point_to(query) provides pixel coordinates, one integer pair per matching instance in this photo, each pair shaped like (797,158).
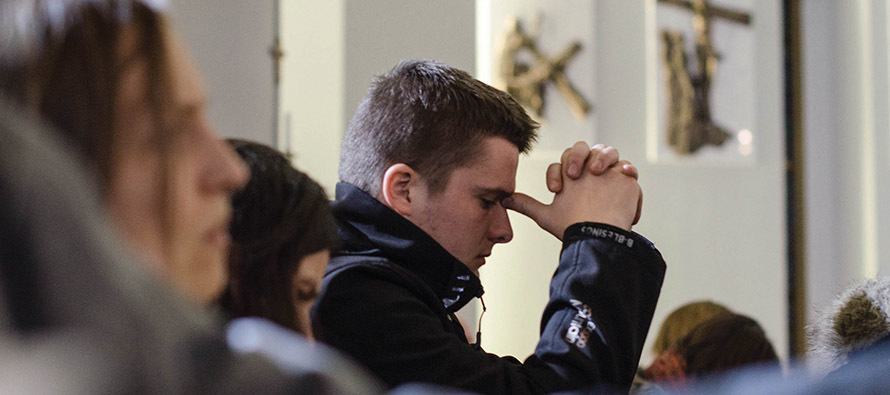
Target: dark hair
(66,65)
(725,342)
(431,117)
(280,217)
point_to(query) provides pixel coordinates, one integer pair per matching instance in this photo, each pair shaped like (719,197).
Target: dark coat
(390,292)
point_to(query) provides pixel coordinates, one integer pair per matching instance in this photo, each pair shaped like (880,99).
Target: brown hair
(726,341)
(682,320)
(66,66)
(280,217)
(431,117)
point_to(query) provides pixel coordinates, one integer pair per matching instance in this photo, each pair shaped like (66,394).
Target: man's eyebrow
(497,193)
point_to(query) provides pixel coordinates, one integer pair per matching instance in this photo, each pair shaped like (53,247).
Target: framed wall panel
(706,71)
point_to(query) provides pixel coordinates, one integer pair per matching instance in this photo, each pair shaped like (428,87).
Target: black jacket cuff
(614,234)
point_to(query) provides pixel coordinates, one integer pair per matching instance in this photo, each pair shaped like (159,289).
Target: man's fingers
(573,159)
(639,208)
(602,157)
(629,170)
(554,177)
(525,205)
(537,211)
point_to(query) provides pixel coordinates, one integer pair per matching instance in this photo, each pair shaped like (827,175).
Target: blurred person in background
(282,233)
(848,351)
(680,321)
(676,325)
(719,345)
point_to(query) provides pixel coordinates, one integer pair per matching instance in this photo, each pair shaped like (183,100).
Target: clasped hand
(590,184)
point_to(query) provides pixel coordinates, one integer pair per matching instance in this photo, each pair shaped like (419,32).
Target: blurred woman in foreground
(113,79)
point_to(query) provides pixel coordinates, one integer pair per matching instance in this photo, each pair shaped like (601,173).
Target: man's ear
(398,180)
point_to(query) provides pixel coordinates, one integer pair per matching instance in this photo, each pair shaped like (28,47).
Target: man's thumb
(525,205)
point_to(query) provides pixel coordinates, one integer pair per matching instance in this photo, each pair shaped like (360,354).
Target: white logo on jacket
(581,326)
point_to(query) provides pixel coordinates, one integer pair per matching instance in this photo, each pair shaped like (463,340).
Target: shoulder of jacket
(359,270)
(365,263)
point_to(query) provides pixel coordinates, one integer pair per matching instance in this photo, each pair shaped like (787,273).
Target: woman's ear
(398,180)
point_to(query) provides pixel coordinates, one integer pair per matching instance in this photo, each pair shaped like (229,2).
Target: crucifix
(527,82)
(690,125)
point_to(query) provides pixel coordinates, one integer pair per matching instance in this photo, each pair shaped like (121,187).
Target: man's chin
(475,265)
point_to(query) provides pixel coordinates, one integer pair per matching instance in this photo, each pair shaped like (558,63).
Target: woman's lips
(219,236)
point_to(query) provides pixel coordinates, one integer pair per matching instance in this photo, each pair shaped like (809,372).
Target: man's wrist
(615,221)
(614,234)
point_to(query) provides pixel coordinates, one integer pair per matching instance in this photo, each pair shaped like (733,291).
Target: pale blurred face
(307,286)
(467,218)
(179,224)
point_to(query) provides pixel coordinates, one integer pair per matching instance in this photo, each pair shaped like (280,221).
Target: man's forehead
(493,172)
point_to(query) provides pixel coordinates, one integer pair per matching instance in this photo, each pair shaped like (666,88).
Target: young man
(428,169)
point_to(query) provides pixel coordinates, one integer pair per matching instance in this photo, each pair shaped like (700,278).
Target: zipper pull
(478,344)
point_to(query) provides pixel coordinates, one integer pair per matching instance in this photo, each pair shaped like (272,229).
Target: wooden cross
(527,82)
(690,125)
(713,12)
(277,54)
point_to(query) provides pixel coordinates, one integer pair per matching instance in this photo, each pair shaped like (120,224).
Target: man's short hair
(429,116)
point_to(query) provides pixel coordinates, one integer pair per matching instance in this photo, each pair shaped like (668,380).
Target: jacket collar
(368,227)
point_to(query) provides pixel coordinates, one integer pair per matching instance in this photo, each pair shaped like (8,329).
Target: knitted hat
(855,320)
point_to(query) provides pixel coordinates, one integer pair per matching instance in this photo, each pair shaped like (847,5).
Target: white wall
(381,33)
(824,276)
(847,144)
(229,41)
(311,111)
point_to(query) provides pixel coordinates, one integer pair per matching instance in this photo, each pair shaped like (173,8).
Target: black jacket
(390,292)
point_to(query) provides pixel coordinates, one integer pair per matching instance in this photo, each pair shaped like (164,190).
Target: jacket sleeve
(399,337)
(602,299)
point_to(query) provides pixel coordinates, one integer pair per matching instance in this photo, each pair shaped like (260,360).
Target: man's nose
(500,230)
